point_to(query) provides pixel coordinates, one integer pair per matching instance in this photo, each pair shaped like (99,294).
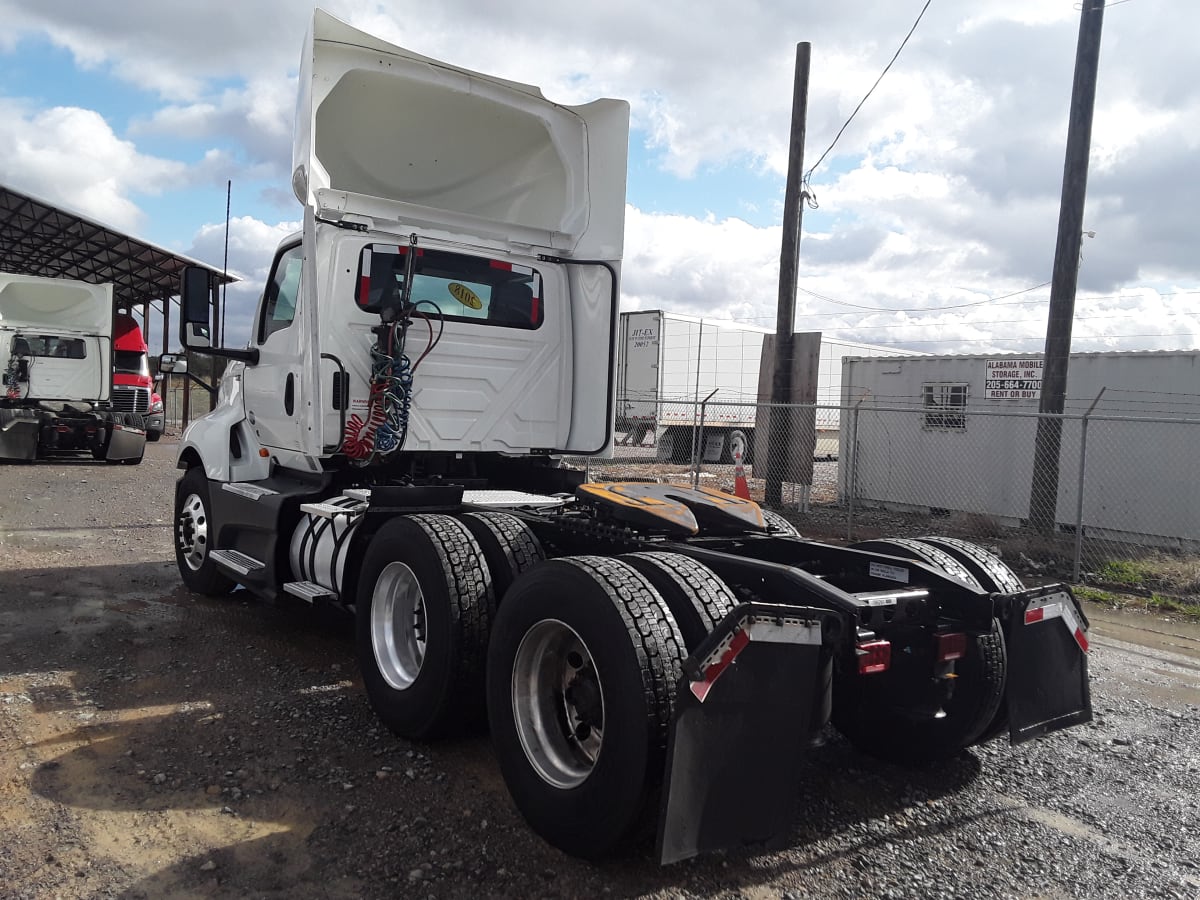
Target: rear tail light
(63,429)
(874,657)
(951,646)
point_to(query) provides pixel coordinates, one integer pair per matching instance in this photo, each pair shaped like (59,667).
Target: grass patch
(1125,571)
(1153,603)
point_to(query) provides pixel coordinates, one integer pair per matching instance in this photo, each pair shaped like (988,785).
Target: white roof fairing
(387,134)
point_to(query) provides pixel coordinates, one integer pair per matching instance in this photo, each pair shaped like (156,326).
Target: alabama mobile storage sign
(1013,379)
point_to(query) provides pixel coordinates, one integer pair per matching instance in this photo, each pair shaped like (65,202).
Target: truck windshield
(130,362)
(462,288)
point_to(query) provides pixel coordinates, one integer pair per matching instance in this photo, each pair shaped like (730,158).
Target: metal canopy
(38,238)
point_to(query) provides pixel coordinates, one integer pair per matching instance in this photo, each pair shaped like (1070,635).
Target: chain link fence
(1127,487)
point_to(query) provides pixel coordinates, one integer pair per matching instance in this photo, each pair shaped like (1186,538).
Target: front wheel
(194,534)
(582,671)
(424,606)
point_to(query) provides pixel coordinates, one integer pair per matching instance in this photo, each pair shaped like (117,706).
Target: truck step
(236,561)
(247,490)
(310,591)
(328,510)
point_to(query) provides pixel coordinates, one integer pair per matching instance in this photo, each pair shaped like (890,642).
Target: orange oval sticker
(465,295)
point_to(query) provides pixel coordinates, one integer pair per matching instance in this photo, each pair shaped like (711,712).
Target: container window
(945,406)
(459,287)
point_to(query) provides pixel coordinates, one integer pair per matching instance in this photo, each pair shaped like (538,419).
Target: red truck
(133,388)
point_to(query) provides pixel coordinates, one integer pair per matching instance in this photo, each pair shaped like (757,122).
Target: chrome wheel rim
(558,704)
(192,531)
(398,627)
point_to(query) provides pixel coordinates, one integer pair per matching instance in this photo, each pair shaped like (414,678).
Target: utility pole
(789,263)
(1043,495)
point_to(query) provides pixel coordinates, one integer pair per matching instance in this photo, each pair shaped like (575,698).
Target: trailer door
(637,403)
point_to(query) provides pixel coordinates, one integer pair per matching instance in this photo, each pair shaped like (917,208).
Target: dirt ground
(158,744)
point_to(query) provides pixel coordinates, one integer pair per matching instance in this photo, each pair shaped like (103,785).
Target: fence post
(1079,496)
(852,475)
(698,440)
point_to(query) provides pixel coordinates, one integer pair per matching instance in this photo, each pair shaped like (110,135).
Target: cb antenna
(225,265)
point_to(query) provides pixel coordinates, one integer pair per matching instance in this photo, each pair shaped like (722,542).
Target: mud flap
(126,442)
(753,697)
(1046,636)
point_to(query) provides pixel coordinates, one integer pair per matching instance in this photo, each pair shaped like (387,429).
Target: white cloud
(71,156)
(944,190)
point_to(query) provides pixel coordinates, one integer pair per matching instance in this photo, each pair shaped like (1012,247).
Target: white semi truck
(56,369)
(439,334)
(669,362)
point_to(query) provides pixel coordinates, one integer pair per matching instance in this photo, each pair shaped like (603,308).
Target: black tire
(153,436)
(870,709)
(194,536)
(989,570)
(697,598)
(993,575)
(778,524)
(101,452)
(911,548)
(509,546)
(623,657)
(426,681)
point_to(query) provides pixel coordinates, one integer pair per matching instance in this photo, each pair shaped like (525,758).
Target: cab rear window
(48,345)
(461,287)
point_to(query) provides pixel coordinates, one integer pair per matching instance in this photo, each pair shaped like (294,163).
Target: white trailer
(56,338)
(670,362)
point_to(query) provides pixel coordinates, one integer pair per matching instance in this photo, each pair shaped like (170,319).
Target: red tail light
(874,657)
(951,646)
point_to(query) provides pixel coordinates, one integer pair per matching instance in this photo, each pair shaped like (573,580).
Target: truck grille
(131,399)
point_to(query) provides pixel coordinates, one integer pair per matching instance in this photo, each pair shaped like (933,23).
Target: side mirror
(169,363)
(195,303)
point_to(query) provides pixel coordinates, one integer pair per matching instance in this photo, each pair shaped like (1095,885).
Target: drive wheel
(583,666)
(778,524)
(194,533)
(993,574)
(697,598)
(920,551)
(873,711)
(509,546)
(989,570)
(421,620)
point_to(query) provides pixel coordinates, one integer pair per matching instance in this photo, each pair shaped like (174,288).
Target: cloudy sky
(937,209)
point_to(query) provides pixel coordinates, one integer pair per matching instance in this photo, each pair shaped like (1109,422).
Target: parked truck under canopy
(437,336)
(56,352)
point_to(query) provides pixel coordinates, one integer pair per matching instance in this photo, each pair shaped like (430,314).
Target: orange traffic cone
(740,488)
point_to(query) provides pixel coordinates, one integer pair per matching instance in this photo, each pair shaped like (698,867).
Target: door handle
(289,394)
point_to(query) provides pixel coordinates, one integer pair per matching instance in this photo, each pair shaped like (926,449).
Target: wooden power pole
(789,263)
(1043,495)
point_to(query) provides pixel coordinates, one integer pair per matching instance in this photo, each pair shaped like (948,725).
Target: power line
(846,124)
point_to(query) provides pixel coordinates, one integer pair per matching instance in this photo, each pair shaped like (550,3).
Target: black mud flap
(1046,636)
(753,697)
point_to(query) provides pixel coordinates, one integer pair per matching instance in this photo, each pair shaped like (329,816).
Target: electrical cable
(812,198)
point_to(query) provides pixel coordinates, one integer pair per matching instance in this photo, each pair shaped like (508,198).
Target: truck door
(273,388)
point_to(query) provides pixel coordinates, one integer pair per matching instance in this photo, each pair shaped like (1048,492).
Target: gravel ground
(158,744)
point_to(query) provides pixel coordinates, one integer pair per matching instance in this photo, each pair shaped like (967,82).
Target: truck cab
(439,333)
